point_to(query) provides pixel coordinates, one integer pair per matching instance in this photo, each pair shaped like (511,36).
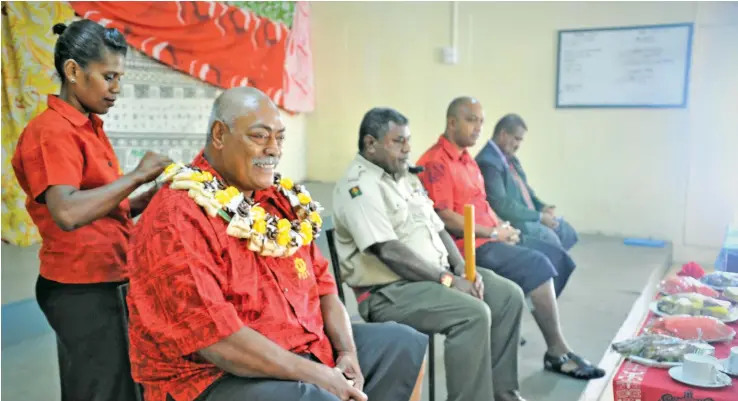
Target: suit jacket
(503,193)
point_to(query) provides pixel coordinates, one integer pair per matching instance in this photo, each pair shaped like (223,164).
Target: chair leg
(431,368)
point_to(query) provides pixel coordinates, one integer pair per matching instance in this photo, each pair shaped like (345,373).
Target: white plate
(724,364)
(652,363)
(723,380)
(732,316)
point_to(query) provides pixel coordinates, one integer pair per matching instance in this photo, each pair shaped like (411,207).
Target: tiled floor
(29,370)
(609,278)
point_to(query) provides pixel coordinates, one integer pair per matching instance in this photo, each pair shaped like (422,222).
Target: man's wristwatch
(495,235)
(446,279)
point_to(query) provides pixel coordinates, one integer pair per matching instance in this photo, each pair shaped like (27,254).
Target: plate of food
(701,328)
(720,280)
(656,350)
(692,304)
(685,284)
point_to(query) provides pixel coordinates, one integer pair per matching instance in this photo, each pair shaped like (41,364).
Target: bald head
(236,102)
(458,103)
(245,138)
(464,121)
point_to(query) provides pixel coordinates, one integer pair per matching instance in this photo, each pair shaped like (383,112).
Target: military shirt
(370,207)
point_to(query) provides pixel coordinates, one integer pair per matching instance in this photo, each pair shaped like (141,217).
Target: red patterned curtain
(223,45)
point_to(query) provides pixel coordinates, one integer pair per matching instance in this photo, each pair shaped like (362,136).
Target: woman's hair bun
(59,28)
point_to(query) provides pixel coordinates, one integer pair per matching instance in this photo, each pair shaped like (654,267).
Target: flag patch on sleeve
(355,191)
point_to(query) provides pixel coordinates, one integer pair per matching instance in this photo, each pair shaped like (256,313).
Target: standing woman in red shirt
(78,199)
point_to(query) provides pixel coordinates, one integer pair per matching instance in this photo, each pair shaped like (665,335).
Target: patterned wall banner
(159,109)
(28,75)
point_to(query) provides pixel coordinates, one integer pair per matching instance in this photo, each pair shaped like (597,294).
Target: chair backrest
(330,238)
(122,295)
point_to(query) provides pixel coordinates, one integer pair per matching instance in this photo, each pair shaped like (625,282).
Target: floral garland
(266,234)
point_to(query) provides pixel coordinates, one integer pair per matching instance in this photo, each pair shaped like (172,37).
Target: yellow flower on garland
(225,196)
(283,238)
(304,199)
(171,168)
(203,176)
(286,183)
(258,213)
(283,225)
(260,227)
(316,219)
(306,230)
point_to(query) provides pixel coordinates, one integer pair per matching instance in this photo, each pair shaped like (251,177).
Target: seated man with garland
(231,300)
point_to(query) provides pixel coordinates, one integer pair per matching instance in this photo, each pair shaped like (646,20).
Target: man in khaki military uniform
(404,267)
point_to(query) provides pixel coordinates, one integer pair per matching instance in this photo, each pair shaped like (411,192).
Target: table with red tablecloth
(635,382)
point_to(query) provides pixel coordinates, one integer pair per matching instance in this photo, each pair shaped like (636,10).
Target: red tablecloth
(634,382)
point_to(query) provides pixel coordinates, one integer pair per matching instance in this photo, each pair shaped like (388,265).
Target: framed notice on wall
(634,67)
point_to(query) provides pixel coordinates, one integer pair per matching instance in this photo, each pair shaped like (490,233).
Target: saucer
(724,364)
(723,380)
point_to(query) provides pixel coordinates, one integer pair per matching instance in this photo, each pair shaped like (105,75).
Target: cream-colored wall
(712,181)
(657,173)
(293,163)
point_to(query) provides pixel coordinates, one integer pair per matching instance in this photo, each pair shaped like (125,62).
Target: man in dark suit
(508,191)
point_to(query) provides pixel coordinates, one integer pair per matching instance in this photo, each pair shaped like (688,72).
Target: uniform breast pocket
(397,212)
(421,207)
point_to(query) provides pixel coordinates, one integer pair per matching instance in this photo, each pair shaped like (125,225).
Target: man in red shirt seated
(230,299)
(452,179)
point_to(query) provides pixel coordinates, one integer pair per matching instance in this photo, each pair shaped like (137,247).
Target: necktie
(523,188)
